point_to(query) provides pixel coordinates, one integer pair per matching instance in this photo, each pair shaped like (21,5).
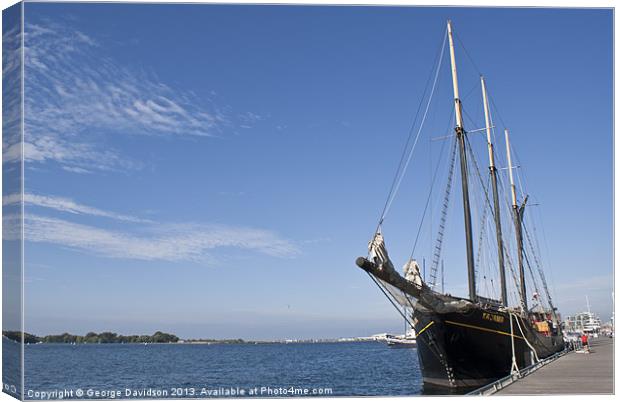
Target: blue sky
(214,171)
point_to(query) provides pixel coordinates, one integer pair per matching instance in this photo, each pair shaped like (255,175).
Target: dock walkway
(574,373)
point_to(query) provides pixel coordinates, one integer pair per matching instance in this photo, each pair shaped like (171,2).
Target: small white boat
(402,342)
(408,340)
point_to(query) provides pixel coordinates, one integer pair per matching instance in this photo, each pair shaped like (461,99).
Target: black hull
(473,348)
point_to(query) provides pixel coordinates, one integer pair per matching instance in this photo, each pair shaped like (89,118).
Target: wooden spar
(517,213)
(425,296)
(388,274)
(461,137)
(497,215)
(455,80)
(513,189)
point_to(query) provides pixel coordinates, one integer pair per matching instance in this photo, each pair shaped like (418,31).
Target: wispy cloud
(11,93)
(143,239)
(67,205)
(77,93)
(183,242)
(250,118)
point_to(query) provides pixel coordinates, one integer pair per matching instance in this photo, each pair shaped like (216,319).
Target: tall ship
(466,342)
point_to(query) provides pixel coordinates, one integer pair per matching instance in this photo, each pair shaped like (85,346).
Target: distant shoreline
(158,338)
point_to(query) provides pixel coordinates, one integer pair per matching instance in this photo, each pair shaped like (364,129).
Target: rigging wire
(400,172)
(539,267)
(481,236)
(529,268)
(508,238)
(490,96)
(522,185)
(549,265)
(443,218)
(535,252)
(428,199)
(486,193)
(471,59)
(479,175)
(477,170)
(480,209)
(385,293)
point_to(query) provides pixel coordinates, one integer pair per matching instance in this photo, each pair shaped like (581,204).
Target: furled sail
(378,254)
(411,286)
(411,270)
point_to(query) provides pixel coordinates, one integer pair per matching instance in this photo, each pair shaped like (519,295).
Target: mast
(460,135)
(517,213)
(493,171)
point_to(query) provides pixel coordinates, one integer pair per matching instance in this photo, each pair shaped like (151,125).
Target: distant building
(378,337)
(607,329)
(585,322)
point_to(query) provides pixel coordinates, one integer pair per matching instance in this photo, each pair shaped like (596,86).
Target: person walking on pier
(584,343)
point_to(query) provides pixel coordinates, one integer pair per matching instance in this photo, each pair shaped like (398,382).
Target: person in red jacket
(584,342)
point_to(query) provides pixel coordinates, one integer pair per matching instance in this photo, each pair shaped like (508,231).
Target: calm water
(346,369)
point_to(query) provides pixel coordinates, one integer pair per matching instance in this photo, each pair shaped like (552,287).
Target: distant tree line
(92,337)
(17,336)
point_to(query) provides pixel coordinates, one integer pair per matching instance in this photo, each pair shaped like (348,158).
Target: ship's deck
(574,373)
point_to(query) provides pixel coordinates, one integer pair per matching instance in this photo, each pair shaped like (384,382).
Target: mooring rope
(514,368)
(525,338)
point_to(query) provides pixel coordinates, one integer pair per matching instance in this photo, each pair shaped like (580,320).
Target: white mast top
(487,120)
(512,182)
(455,81)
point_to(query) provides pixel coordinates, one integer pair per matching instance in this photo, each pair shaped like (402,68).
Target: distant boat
(586,322)
(406,342)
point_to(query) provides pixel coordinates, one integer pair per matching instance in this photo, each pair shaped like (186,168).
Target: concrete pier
(574,373)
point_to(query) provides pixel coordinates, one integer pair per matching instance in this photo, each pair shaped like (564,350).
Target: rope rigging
(539,268)
(525,339)
(514,369)
(513,273)
(535,252)
(488,202)
(485,208)
(405,158)
(430,194)
(529,268)
(477,170)
(391,298)
(443,218)
(482,240)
